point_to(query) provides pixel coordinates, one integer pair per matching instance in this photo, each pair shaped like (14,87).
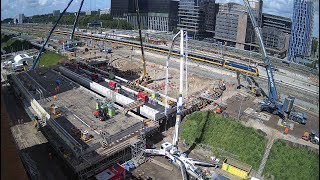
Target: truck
(312,137)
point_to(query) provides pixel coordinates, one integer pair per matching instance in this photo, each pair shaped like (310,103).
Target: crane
(144,78)
(272,103)
(170,150)
(70,44)
(36,61)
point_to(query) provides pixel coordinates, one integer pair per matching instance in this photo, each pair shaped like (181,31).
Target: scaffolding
(137,149)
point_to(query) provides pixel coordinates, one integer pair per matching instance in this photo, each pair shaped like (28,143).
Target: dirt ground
(251,102)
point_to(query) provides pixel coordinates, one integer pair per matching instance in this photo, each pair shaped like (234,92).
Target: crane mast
(75,21)
(141,46)
(35,63)
(273,95)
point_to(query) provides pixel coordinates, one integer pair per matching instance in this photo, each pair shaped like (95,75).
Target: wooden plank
(161,164)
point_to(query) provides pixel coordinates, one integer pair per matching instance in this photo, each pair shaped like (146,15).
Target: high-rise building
(197,17)
(56,13)
(276,32)
(89,13)
(233,24)
(301,30)
(119,8)
(159,15)
(21,18)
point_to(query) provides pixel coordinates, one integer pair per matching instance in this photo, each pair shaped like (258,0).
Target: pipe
(180,97)
(167,73)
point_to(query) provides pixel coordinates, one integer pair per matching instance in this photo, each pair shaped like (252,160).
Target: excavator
(144,78)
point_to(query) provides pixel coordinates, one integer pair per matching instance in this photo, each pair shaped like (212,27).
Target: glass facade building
(159,15)
(301,30)
(197,17)
(119,8)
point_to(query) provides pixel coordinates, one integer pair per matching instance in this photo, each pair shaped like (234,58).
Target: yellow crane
(144,78)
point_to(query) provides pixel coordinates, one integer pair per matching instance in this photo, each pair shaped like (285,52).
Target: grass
(50,58)
(294,163)
(226,136)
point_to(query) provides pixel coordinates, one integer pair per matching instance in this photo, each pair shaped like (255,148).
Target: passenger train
(235,66)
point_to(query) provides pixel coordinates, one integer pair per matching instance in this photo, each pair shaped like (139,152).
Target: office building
(89,13)
(20,18)
(301,30)
(56,13)
(105,11)
(119,9)
(197,17)
(158,15)
(276,32)
(233,25)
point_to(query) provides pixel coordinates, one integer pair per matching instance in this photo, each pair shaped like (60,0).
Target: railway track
(215,66)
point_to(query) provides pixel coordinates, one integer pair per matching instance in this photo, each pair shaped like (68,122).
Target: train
(231,65)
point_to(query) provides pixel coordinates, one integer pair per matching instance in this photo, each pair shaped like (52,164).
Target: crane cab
(166,147)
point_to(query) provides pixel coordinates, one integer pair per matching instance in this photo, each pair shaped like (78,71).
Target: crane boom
(180,98)
(50,33)
(76,20)
(273,95)
(141,46)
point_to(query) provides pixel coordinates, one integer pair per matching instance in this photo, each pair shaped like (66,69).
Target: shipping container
(237,168)
(112,84)
(143,96)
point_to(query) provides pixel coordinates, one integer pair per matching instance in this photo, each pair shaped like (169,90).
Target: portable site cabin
(21,60)
(237,168)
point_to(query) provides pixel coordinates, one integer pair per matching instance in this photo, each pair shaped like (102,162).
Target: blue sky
(11,8)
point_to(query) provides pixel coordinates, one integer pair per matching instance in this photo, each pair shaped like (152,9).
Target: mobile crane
(36,61)
(71,44)
(272,103)
(170,150)
(144,78)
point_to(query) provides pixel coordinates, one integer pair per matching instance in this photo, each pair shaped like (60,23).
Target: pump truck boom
(188,166)
(272,103)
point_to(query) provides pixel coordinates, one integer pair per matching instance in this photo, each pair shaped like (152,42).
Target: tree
(314,45)
(7,20)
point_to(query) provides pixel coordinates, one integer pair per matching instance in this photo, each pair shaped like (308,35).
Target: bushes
(11,44)
(286,162)
(224,135)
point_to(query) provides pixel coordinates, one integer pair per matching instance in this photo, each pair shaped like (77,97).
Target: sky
(11,8)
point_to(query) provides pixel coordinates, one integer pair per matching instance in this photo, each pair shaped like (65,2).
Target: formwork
(118,139)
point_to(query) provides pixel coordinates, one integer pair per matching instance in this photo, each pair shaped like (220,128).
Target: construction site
(112,108)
